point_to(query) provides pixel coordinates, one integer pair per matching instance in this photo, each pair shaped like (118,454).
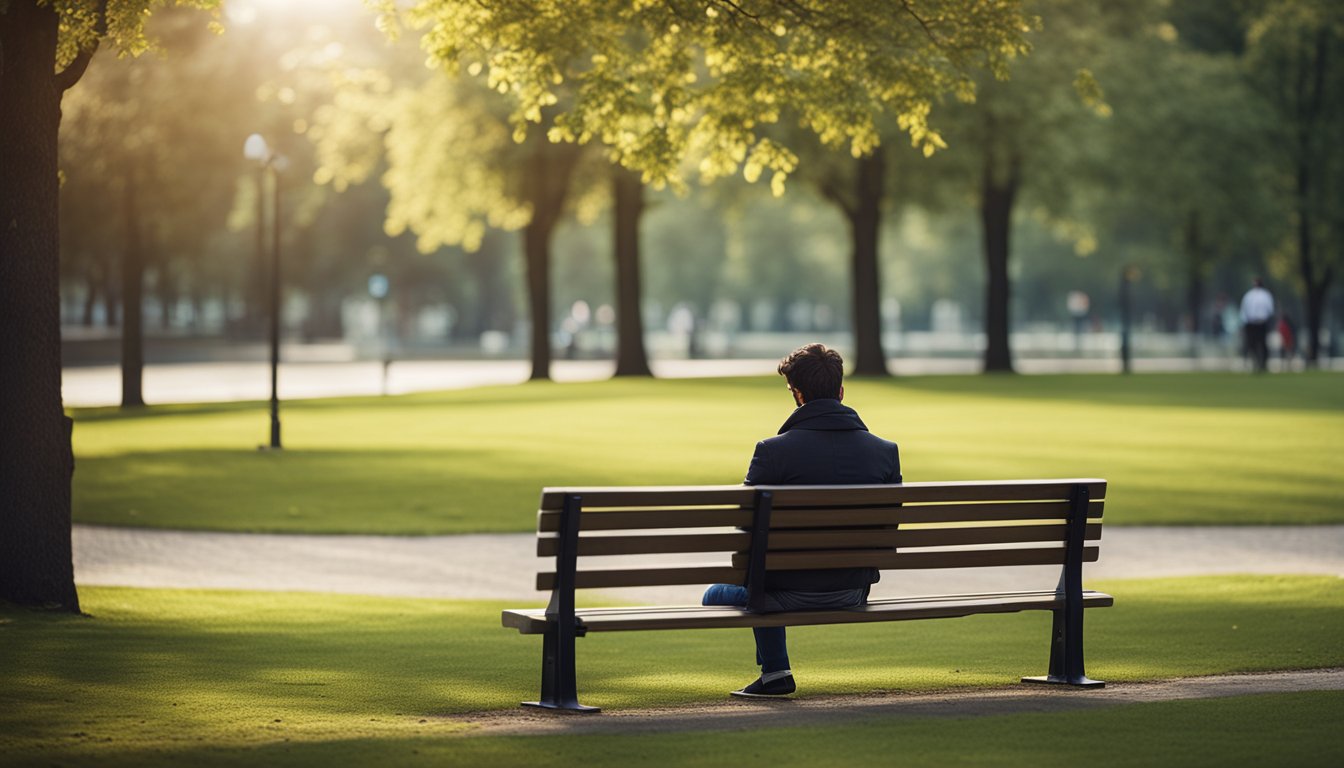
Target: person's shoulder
(878,440)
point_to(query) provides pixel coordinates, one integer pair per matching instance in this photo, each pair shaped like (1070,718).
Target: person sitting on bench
(821,443)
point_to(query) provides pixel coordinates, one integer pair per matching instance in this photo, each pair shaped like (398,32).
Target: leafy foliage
(84,23)
(657,82)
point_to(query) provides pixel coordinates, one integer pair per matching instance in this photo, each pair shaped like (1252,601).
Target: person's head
(814,372)
(1259,282)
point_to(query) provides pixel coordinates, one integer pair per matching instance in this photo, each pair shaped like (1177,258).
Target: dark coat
(824,443)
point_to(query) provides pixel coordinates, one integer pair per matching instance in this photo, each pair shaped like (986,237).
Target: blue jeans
(772,652)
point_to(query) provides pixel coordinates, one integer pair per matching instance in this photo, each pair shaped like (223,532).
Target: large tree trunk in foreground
(865,222)
(997,196)
(631,358)
(35,456)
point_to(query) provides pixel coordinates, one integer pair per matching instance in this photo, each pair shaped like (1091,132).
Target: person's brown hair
(815,370)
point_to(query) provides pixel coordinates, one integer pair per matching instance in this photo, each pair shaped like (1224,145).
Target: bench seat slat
(533,621)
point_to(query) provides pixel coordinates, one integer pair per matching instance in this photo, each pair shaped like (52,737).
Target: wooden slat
(598,578)
(924,513)
(533,621)
(922,537)
(650,544)
(862,538)
(885,559)
(651,496)
(548,521)
(864,495)
(804,495)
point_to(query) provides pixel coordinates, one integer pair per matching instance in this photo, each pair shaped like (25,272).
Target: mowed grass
(176,677)
(1197,449)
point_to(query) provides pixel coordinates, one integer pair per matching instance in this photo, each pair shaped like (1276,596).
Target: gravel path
(502,566)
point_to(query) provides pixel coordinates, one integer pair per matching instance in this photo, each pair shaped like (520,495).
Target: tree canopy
(658,82)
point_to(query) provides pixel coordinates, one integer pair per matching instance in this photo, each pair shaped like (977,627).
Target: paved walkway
(502,566)
(202,382)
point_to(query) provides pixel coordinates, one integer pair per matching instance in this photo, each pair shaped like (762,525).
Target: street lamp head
(255,148)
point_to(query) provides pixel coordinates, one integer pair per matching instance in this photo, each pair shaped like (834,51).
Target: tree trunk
(111,294)
(1194,286)
(865,221)
(133,300)
(631,358)
(1315,285)
(90,301)
(551,166)
(35,454)
(997,197)
(537,251)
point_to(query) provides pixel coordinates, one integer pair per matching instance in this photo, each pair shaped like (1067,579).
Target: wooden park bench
(760,528)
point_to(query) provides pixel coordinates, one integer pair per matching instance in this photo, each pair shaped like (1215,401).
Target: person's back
(824,443)
(821,443)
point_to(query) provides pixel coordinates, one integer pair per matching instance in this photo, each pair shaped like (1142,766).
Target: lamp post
(378,287)
(256,149)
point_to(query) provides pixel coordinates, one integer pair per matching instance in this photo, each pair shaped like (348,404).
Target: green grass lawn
(200,677)
(1198,448)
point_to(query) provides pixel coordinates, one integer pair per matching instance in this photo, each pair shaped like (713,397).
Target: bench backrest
(915,525)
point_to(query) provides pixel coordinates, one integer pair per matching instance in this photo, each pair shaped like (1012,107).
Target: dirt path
(740,714)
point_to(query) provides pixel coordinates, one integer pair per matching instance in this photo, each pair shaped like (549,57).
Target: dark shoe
(758,690)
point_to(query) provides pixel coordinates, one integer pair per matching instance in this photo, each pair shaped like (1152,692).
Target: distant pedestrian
(1257,310)
(1288,339)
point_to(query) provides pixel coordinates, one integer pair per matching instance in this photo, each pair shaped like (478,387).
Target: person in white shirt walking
(1257,310)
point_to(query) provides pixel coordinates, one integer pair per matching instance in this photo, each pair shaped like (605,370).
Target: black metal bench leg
(1066,627)
(558,688)
(1066,654)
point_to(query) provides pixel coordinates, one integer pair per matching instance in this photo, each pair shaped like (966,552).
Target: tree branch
(66,78)
(922,23)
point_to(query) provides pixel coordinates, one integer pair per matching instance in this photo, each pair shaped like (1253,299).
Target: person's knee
(723,594)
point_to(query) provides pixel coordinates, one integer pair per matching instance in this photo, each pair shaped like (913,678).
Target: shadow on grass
(1274,729)
(228,665)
